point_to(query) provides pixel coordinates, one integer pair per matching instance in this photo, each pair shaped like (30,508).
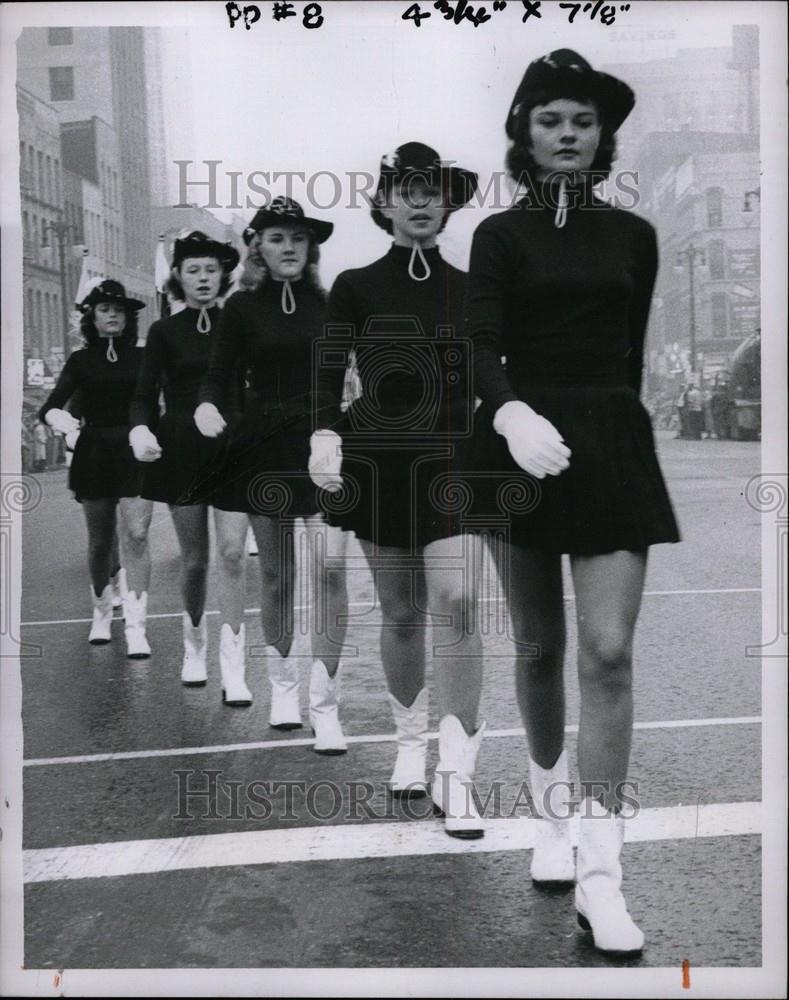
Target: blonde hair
(254,273)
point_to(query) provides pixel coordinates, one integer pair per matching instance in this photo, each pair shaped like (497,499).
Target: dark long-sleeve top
(175,359)
(105,387)
(271,349)
(564,306)
(387,313)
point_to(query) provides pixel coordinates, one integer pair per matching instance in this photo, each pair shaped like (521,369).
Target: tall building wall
(127,52)
(68,68)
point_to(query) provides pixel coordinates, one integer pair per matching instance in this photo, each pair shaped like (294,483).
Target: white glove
(144,444)
(326,460)
(209,420)
(62,421)
(534,443)
(71,440)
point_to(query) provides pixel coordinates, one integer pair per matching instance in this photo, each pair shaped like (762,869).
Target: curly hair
(90,334)
(254,273)
(520,162)
(174,287)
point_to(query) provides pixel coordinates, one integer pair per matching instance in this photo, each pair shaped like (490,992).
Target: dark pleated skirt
(613,495)
(104,466)
(403,491)
(189,471)
(263,469)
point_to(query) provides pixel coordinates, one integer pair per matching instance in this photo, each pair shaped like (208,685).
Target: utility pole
(61,231)
(694,257)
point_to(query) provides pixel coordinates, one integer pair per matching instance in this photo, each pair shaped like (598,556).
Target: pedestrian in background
(694,403)
(561,285)
(266,335)
(104,475)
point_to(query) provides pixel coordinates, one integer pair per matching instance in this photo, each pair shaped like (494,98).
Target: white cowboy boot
(119,588)
(452,785)
(194,672)
(408,777)
(283,672)
(598,897)
(552,859)
(134,611)
(325,722)
(232,654)
(100,633)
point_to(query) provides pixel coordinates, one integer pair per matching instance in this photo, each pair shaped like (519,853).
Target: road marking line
(366,604)
(744,720)
(355,841)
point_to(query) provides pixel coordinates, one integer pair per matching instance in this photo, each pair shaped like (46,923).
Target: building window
(41,179)
(716,258)
(61,83)
(60,36)
(720,314)
(714,207)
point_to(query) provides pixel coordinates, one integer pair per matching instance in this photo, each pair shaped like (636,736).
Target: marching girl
(393,461)
(181,466)
(560,285)
(266,334)
(103,475)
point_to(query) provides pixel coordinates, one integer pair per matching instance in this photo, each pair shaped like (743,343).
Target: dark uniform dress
(103,466)
(266,445)
(175,360)
(558,318)
(406,439)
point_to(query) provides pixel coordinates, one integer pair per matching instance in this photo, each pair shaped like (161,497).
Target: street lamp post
(694,256)
(61,230)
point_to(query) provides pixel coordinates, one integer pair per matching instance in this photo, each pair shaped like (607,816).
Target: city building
(41,191)
(95,78)
(693,140)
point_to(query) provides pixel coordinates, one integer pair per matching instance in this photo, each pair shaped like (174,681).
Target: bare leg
(277,579)
(231,533)
(191,527)
(100,522)
(402,594)
(326,571)
(608,592)
(135,520)
(532,582)
(452,592)
(115,557)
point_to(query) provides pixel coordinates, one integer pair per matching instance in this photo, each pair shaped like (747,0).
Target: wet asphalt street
(298,860)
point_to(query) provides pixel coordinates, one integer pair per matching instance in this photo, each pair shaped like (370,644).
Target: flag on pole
(83,287)
(161,277)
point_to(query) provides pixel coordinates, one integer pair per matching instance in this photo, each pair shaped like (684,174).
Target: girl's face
(109,319)
(284,250)
(416,211)
(565,135)
(200,278)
